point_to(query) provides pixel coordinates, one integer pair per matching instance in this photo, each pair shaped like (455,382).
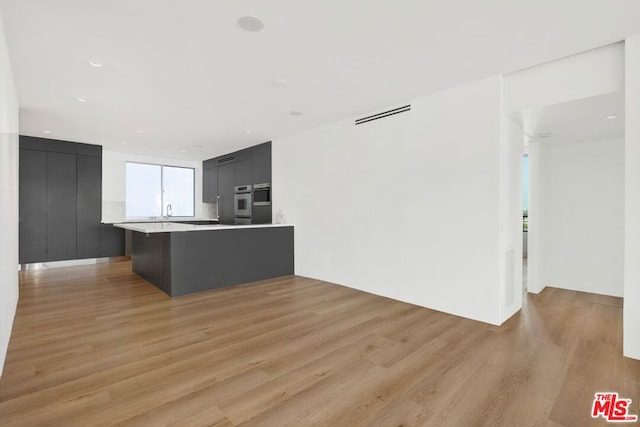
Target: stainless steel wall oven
(262,194)
(242,204)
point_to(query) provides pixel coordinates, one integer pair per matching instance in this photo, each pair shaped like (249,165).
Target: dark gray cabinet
(219,176)
(261,163)
(243,172)
(206,185)
(61,201)
(213,185)
(210,185)
(112,241)
(61,206)
(261,172)
(226,182)
(88,207)
(33,206)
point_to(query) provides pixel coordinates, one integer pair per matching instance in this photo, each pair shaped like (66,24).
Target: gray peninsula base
(180,263)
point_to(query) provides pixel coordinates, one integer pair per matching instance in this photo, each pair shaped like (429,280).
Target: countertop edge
(142,221)
(179,228)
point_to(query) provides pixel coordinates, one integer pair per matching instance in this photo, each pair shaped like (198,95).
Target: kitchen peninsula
(181,259)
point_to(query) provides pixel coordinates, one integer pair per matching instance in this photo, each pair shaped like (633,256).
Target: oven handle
(217,207)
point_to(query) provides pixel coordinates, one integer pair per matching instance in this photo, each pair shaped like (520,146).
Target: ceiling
(596,118)
(180,79)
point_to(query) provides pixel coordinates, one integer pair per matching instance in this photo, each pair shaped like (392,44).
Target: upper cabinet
(261,163)
(245,167)
(209,184)
(243,172)
(226,182)
(250,166)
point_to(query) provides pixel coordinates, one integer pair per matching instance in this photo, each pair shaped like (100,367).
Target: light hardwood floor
(96,345)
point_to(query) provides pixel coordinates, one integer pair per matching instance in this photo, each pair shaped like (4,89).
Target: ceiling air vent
(384,114)
(226,159)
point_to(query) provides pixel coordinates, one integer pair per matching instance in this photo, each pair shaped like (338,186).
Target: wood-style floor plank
(98,346)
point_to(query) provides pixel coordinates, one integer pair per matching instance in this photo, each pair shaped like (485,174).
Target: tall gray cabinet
(61,202)
(219,175)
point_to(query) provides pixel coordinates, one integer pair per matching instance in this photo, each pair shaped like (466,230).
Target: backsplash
(209,210)
(114,211)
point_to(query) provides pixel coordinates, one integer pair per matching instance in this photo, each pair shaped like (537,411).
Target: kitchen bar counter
(167,227)
(209,256)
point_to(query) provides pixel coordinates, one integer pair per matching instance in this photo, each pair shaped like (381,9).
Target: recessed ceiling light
(138,131)
(124,142)
(95,64)
(248,131)
(81,100)
(48,132)
(611,117)
(280,82)
(183,151)
(295,113)
(544,135)
(251,23)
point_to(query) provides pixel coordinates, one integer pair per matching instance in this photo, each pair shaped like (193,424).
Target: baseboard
(70,263)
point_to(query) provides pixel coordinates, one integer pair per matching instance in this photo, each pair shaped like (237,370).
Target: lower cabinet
(112,241)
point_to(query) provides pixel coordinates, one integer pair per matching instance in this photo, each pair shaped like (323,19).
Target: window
(150,189)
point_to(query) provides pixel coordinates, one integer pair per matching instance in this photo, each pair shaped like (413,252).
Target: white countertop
(166,227)
(142,220)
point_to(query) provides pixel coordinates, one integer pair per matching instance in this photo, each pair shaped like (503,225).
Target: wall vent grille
(384,114)
(226,159)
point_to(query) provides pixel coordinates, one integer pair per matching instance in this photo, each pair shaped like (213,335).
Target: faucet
(169,210)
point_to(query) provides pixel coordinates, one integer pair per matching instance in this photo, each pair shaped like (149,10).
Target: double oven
(247,197)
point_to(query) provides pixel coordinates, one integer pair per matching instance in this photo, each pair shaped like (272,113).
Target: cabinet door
(261,156)
(88,211)
(206,186)
(243,172)
(213,185)
(113,241)
(61,206)
(226,181)
(33,206)
(209,185)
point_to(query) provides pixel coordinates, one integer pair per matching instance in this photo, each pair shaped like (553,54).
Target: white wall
(407,207)
(8,198)
(114,189)
(632,199)
(582,211)
(511,152)
(535,283)
(595,72)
